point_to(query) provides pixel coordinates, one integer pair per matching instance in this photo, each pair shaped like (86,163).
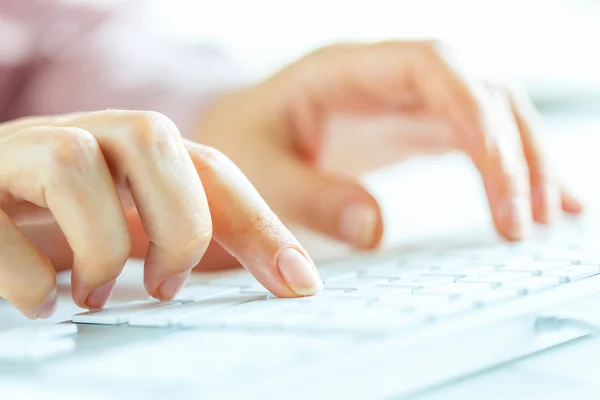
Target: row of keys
(357,303)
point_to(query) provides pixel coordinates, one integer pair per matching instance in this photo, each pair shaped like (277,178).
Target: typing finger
(63,170)
(146,151)
(27,278)
(483,123)
(546,193)
(246,227)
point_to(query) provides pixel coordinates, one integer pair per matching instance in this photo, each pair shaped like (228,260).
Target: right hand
(86,172)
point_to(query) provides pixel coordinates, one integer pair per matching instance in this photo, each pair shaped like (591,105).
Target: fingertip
(99,296)
(171,286)
(298,271)
(361,224)
(47,307)
(546,206)
(513,219)
(571,204)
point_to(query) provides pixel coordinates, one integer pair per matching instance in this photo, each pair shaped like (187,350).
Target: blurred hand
(69,186)
(277,133)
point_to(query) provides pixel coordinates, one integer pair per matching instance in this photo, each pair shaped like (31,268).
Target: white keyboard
(373,296)
(429,316)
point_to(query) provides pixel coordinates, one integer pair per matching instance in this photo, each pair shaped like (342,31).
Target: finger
(247,228)
(485,124)
(27,279)
(352,150)
(505,172)
(63,169)
(215,258)
(547,195)
(336,206)
(489,133)
(51,241)
(145,150)
(569,203)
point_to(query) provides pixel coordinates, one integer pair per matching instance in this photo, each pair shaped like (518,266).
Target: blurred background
(550,46)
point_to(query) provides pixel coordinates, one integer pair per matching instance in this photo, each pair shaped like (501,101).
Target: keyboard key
(329,275)
(574,273)
(535,268)
(569,255)
(201,292)
(434,262)
(410,303)
(243,279)
(534,284)
(245,310)
(257,288)
(489,298)
(172,316)
(275,320)
(454,289)
(448,273)
(495,278)
(419,282)
(366,322)
(391,271)
(339,304)
(121,314)
(448,309)
(378,292)
(356,283)
(322,295)
(467,269)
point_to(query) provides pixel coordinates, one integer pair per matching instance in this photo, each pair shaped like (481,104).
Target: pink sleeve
(114,60)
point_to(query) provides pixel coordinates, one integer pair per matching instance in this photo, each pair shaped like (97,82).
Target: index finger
(247,228)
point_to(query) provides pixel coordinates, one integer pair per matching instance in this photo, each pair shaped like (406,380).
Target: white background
(549,45)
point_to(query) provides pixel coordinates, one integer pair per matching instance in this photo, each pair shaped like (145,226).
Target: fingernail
(99,296)
(358,224)
(518,210)
(48,307)
(169,288)
(299,273)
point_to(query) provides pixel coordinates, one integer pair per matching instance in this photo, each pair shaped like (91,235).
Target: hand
(89,171)
(277,133)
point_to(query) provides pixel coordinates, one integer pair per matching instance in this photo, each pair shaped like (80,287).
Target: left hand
(276,132)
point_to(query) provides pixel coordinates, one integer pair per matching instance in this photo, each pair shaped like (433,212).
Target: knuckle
(192,247)
(152,130)
(73,148)
(108,264)
(207,158)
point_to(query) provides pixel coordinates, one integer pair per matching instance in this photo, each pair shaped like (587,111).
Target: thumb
(336,206)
